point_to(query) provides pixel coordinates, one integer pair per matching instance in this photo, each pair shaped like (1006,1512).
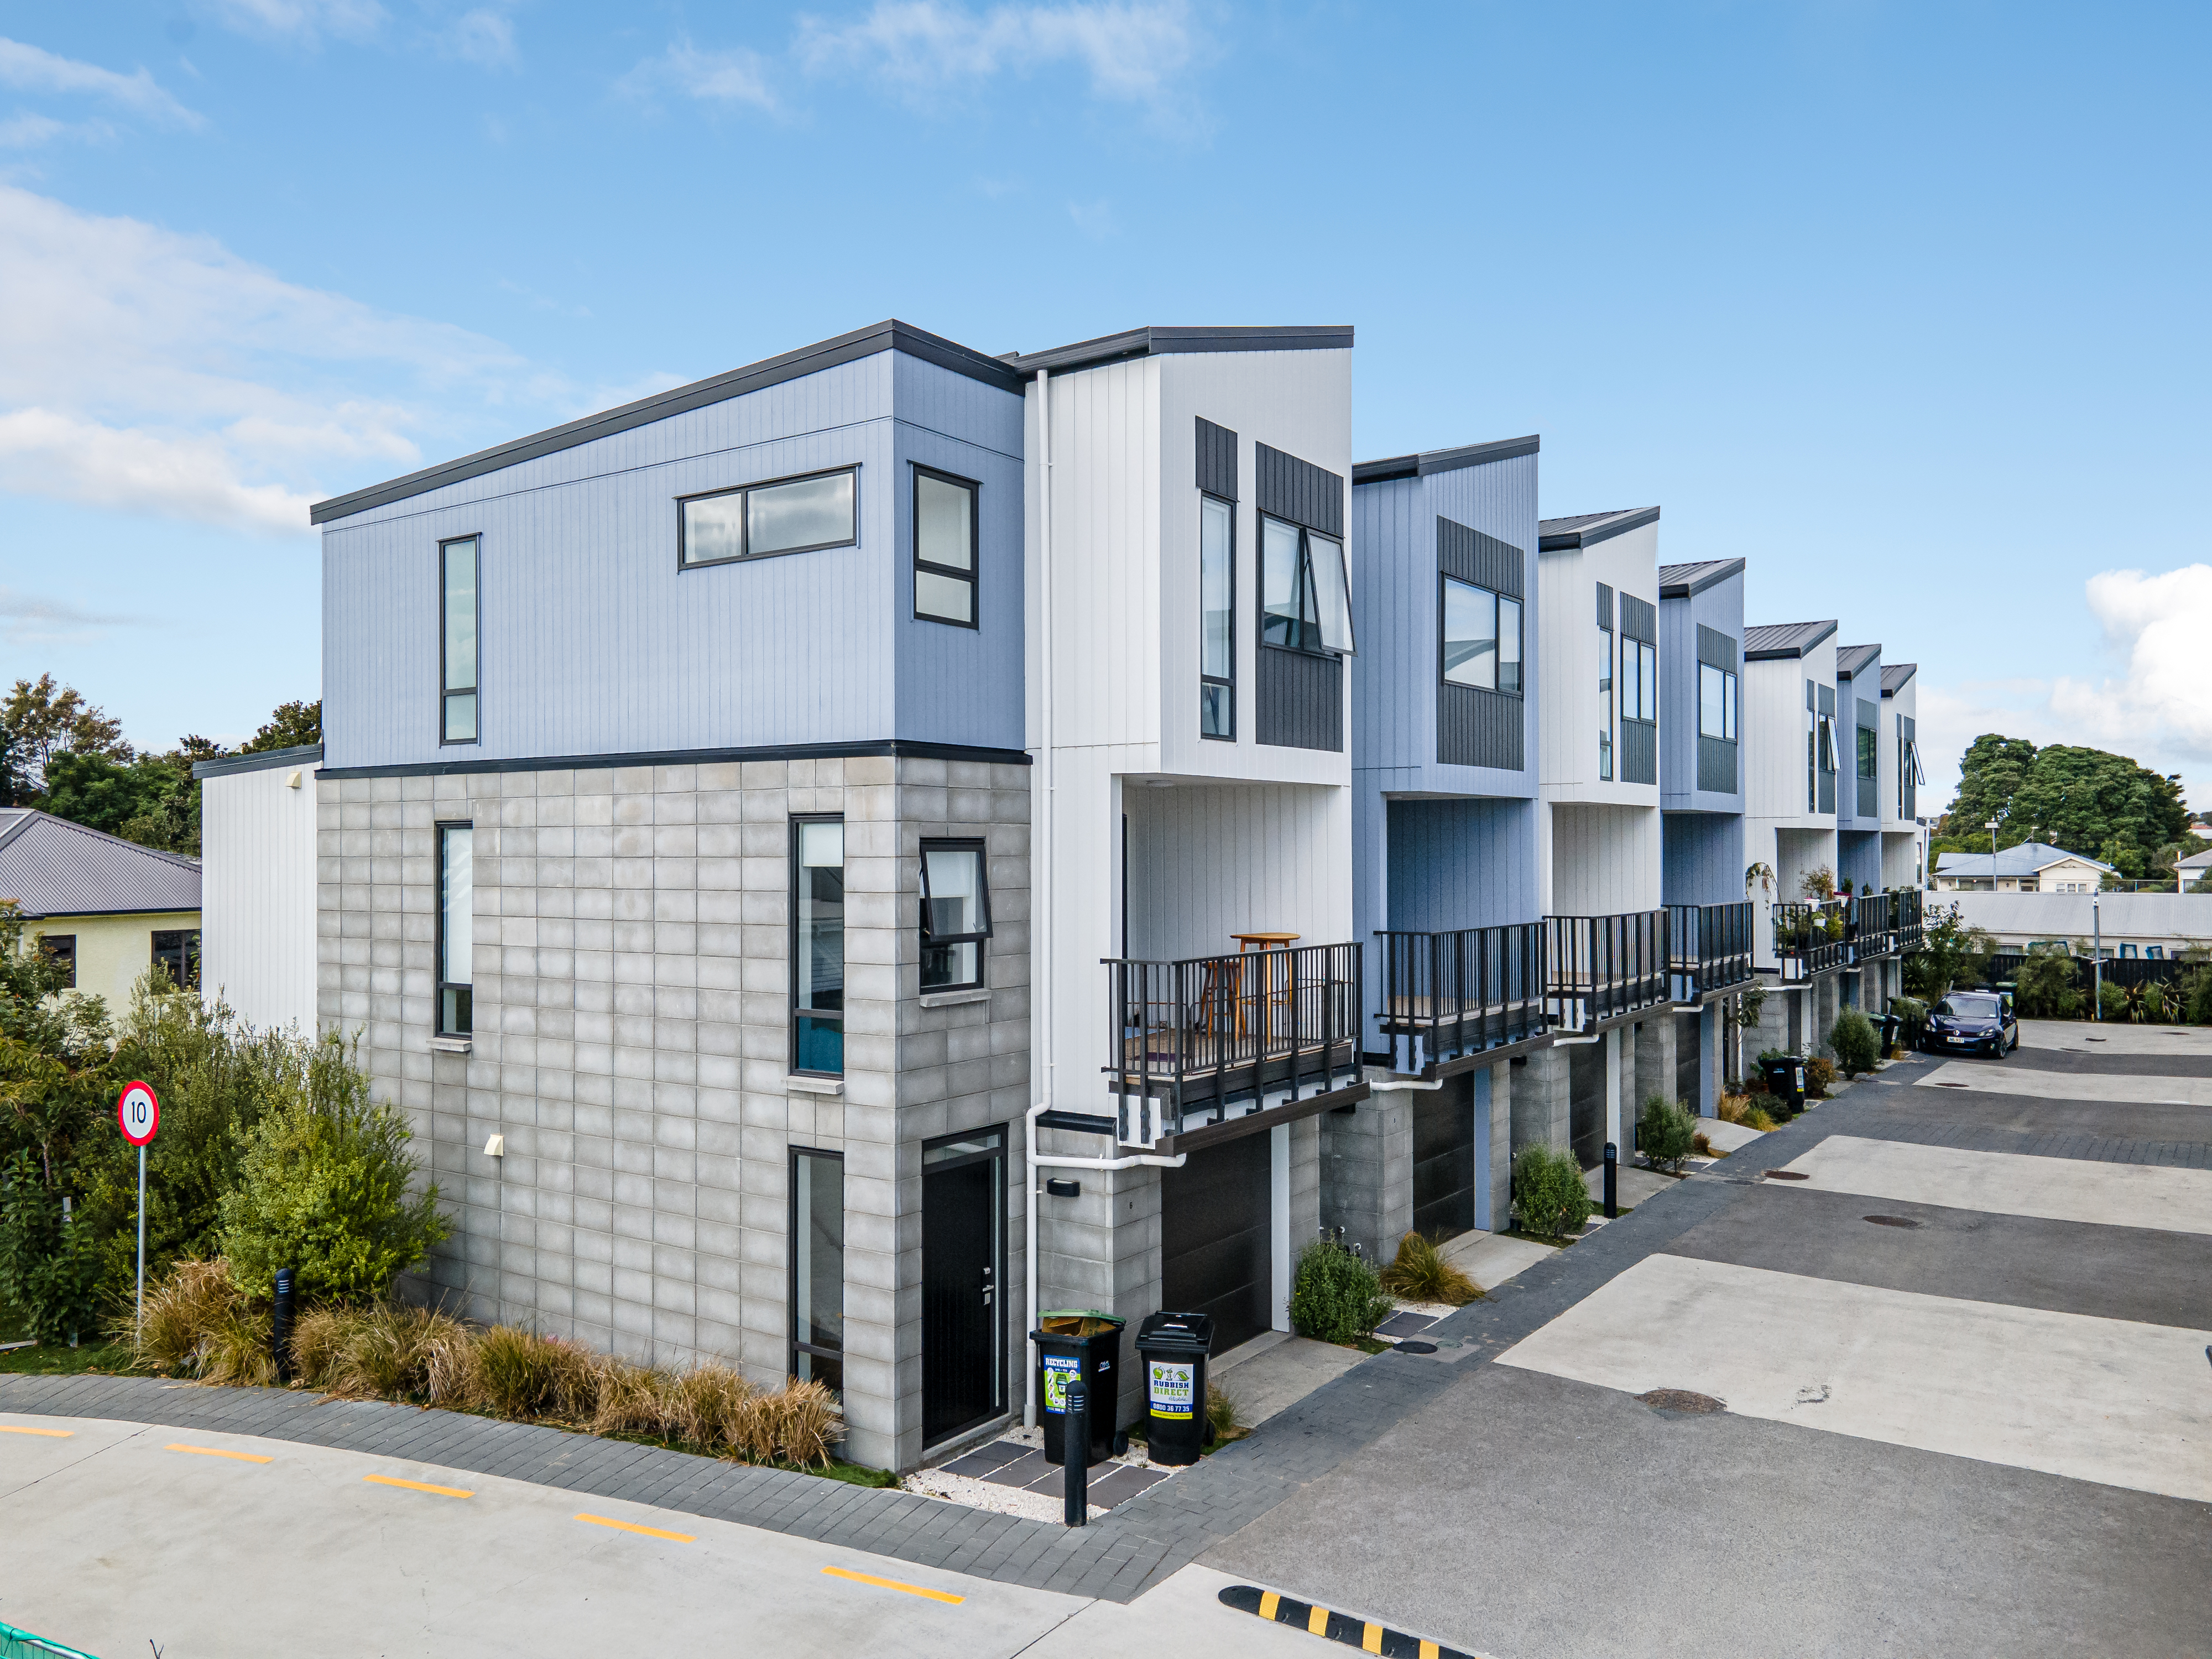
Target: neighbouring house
(2192,870)
(107,908)
(2033,866)
(2131,924)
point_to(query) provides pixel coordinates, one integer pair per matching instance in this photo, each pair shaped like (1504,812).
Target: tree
(154,800)
(294,725)
(1951,953)
(2086,800)
(43,720)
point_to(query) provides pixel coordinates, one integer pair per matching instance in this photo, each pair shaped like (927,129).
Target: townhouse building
(1446,842)
(1904,831)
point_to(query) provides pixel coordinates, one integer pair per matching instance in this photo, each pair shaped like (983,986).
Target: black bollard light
(280,1327)
(1075,1454)
(1611,1180)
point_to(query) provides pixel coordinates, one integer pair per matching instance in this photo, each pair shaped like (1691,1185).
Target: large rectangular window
(1870,751)
(1216,611)
(1716,694)
(458,616)
(817,957)
(956,915)
(944,521)
(456,928)
(756,521)
(1470,655)
(60,950)
(1305,594)
(177,953)
(817,1267)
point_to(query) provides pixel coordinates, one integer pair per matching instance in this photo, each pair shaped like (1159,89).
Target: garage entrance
(1215,1249)
(1443,1161)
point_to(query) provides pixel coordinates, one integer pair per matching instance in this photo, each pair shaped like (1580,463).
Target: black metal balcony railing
(1907,914)
(1872,931)
(1809,938)
(1459,993)
(1597,967)
(1220,1028)
(1709,949)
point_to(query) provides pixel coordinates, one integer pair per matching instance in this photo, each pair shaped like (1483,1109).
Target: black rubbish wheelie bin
(1785,1081)
(1073,1341)
(1174,1348)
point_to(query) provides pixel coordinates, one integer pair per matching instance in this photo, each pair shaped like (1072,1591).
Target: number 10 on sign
(140,1115)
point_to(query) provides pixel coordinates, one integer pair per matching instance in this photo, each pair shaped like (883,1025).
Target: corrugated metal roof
(2024,860)
(1681,581)
(52,867)
(1852,660)
(1771,639)
(1894,674)
(1582,528)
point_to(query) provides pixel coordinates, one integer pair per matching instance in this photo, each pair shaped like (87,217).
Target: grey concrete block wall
(632,1004)
(1366,1184)
(1541,1108)
(1653,1071)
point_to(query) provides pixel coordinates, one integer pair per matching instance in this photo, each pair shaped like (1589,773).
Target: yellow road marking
(1269,1601)
(892,1583)
(210,1451)
(1370,1639)
(649,1532)
(415,1485)
(1428,1650)
(1317,1620)
(51,1434)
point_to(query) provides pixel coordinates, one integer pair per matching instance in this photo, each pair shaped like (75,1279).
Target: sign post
(140,1115)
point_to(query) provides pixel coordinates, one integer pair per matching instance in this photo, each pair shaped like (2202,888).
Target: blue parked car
(1972,1023)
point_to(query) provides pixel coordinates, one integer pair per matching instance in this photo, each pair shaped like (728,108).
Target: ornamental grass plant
(1420,1273)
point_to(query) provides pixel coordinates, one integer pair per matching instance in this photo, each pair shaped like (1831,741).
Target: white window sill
(815,1085)
(451,1045)
(954,999)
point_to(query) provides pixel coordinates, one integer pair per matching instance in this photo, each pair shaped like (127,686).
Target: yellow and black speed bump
(1337,1626)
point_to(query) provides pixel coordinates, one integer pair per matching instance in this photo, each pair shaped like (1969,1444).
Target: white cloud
(736,77)
(303,20)
(161,372)
(25,131)
(483,37)
(1132,48)
(2161,623)
(28,68)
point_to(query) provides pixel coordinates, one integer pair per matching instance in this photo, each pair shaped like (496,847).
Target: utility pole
(2096,960)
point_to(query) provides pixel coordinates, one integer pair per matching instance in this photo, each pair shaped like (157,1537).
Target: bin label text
(1173,1385)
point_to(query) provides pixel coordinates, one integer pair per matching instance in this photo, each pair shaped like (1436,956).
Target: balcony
(1451,995)
(1809,938)
(1196,1039)
(1907,917)
(1598,968)
(1709,949)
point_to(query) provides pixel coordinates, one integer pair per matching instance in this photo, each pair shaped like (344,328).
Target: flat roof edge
(261,760)
(1603,531)
(1689,590)
(1156,341)
(1444,460)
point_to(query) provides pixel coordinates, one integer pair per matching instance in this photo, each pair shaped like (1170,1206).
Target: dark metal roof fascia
(260,760)
(892,336)
(1443,460)
(135,910)
(900,748)
(1689,587)
(1159,341)
(1859,655)
(1604,530)
(1797,646)
(1904,670)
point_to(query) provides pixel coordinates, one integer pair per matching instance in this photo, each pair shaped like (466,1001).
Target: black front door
(962,1383)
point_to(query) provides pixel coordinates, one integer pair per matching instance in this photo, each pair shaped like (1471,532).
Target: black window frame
(745,554)
(465,1025)
(1205,679)
(959,844)
(820,1015)
(1869,752)
(972,575)
(795,1346)
(186,949)
(475,692)
(60,949)
(1305,583)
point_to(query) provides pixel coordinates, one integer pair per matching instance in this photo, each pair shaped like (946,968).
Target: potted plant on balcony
(1818,884)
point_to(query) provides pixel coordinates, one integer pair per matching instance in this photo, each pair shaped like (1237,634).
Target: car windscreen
(1969,1007)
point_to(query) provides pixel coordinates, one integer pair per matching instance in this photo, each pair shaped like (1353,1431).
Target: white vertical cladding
(1207,860)
(1780,830)
(257,892)
(1902,861)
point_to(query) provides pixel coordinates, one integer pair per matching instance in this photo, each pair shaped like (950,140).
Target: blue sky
(1903,304)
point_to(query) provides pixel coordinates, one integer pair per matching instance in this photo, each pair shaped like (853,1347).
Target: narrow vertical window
(1604,702)
(1647,680)
(457,640)
(956,915)
(1216,606)
(1509,645)
(945,516)
(456,928)
(1712,699)
(1728,705)
(176,952)
(817,1268)
(817,1019)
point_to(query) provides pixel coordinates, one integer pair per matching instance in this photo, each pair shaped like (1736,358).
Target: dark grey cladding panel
(1216,459)
(1908,728)
(1717,758)
(1300,702)
(1483,560)
(1639,619)
(1299,490)
(1476,728)
(1716,649)
(1639,751)
(1604,605)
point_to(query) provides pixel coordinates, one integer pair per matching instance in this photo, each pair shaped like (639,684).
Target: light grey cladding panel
(1461,864)
(1701,858)
(961,685)
(593,641)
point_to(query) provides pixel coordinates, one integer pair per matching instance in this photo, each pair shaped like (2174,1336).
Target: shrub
(1225,1418)
(1548,1190)
(1853,1038)
(1819,1074)
(323,1189)
(1666,1132)
(519,1373)
(1336,1296)
(1735,1108)
(183,1311)
(1420,1273)
(2196,995)
(1702,1147)
(2045,988)
(1756,1118)
(387,1352)
(1912,1020)
(2112,1001)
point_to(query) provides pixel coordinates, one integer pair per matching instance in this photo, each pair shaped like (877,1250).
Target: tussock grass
(1420,1273)
(1225,1418)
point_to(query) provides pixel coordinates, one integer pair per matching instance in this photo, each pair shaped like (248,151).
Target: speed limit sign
(139,1113)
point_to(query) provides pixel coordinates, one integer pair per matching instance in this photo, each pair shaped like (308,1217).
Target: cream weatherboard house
(2032,866)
